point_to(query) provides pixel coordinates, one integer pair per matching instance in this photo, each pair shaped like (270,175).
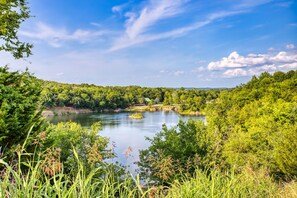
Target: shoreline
(59,111)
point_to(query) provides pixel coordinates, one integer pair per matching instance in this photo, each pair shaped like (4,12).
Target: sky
(158,43)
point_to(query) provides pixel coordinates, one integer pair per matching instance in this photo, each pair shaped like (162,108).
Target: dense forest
(100,98)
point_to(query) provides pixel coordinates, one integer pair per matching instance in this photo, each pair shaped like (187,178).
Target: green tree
(12,14)
(175,151)
(19,106)
(254,125)
(89,145)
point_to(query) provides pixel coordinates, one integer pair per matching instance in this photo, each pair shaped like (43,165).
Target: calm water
(124,132)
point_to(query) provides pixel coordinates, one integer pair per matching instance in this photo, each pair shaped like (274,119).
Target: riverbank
(58,111)
(160,107)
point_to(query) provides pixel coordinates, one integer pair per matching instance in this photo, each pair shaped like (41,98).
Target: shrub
(19,107)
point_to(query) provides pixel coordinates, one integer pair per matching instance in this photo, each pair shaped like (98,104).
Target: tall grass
(103,182)
(246,184)
(33,182)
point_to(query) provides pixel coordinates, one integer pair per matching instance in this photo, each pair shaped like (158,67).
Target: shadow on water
(125,132)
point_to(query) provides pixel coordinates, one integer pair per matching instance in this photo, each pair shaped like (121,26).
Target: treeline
(99,98)
(252,128)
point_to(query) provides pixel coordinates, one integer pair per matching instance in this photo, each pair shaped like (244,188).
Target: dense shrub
(175,151)
(20,109)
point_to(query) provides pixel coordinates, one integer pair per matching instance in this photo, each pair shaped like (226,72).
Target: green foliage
(230,184)
(175,151)
(101,98)
(255,125)
(191,100)
(19,106)
(102,181)
(12,14)
(35,183)
(90,146)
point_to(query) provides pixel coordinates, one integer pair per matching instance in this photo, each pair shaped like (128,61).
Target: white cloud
(289,66)
(249,3)
(264,68)
(152,13)
(230,73)
(234,60)
(119,8)
(290,46)
(56,36)
(239,72)
(236,65)
(222,14)
(138,23)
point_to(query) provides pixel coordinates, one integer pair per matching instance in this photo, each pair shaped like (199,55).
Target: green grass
(33,182)
(217,184)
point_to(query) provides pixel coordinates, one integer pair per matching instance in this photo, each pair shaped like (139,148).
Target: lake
(125,132)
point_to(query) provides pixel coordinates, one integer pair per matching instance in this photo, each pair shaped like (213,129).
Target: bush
(64,137)
(175,151)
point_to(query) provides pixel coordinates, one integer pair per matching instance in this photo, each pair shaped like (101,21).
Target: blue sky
(168,43)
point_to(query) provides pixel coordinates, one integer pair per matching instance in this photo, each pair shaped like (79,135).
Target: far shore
(59,111)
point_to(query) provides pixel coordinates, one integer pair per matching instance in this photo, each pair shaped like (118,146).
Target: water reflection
(126,132)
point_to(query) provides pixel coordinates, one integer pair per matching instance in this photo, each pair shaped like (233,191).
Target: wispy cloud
(178,73)
(139,24)
(56,36)
(249,4)
(172,73)
(290,46)
(284,4)
(156,10)
(199,69)
(119,8)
